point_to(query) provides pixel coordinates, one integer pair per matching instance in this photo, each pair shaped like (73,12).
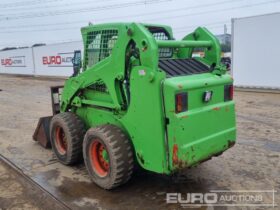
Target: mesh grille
(160,36)
(163,52)
(99,45)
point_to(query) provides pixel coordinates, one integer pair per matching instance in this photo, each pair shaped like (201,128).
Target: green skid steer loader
(140,97)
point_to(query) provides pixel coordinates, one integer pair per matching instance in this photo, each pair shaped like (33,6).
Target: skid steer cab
(141,98)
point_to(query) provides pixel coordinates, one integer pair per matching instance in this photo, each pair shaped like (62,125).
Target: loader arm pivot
(201,37)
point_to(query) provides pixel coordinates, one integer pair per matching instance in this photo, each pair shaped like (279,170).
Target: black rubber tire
(120,154)
(74,130)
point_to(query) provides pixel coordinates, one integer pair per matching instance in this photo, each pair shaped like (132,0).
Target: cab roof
(119,24)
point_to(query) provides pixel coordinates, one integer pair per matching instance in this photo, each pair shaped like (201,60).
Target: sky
(26,22)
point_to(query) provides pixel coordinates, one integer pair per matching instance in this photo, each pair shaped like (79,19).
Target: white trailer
(255,51)
(19,61)
(55,59)
(49,60)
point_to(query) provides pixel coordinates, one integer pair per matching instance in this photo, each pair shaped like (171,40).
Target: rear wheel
(108,156)
(67,132)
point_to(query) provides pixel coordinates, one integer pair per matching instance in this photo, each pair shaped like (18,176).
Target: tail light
(181,102)
(228,93)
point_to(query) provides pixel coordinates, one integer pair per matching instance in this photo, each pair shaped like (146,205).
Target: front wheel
(108,156)
(67,131)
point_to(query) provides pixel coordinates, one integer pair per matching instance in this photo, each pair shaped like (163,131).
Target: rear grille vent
(182,67)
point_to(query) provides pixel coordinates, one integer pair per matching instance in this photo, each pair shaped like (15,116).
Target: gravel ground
(252,164)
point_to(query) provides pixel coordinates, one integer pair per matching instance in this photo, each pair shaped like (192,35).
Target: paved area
(252,164)
(19,192)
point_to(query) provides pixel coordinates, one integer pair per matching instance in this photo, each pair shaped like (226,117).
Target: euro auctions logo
(227,198)
(59,60)
(15,61)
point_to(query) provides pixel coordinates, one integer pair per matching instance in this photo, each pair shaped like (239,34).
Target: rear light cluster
(181,99)
(181,102)
(228,93)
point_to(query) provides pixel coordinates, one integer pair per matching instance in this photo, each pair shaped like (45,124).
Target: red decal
(6,62)
(49,60)
(45,60)
(58,59)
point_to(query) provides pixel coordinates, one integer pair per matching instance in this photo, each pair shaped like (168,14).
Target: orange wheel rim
(60,140)
(99,158)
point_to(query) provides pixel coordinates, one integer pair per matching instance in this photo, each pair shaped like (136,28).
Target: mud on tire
(108,156)
(67,132)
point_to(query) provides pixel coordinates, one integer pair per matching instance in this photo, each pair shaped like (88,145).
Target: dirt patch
(252,164)
(17,192)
